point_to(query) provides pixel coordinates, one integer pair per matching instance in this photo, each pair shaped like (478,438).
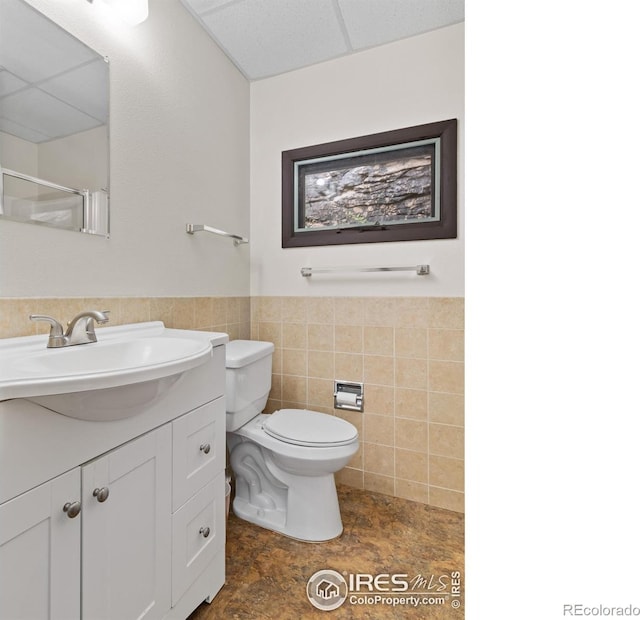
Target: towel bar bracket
(194,228)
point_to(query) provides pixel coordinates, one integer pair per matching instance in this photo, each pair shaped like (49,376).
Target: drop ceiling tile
(21,132)
(268,38)
(9,83)
(36,49)
(203,6)
(84,88)
(44,114)
(375,22)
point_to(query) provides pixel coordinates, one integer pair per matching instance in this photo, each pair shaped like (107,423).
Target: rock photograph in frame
(393,186)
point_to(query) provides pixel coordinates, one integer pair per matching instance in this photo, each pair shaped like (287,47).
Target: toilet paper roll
(346,398)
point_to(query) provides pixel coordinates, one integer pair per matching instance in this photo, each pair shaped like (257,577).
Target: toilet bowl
(284,463)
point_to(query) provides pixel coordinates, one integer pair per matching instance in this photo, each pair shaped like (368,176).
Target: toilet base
(302,507)
(311,512)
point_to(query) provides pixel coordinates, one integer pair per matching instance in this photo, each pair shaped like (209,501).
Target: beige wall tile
(270,309)
(183,313)
(446,440)
(14,318)
(321,364)
(294,309)
(349,310)
(203,309)
(294,362)
(446,312)
(378,459)
(271,332)
(412,465)
(445,498)
(348,367)
(378,429)
(411,373)
(320,337)
(161,309)
(379,369)
(412,435)
(411,403)
(294,335)
(412,312)
(378,340)
(320,393)
(380,311)
(351,477)
(414,491)
(409,352)
(348,338)
(411,342)
(294,389)
(446,408)
(446,377)
(379,399)
(446,473)
(446,344)
(378,483)
(320,310)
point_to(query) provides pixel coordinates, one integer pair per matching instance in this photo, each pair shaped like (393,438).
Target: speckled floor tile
(267,573)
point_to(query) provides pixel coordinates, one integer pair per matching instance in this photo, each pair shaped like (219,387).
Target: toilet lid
(309,428)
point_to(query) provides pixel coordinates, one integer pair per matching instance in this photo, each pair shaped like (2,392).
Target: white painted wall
(179,153)
(411,82)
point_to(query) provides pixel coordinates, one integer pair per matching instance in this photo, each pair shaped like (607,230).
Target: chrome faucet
(80,329)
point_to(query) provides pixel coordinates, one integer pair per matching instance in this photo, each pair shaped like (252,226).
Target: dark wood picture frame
(440,137)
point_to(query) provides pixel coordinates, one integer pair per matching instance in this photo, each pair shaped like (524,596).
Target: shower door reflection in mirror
(54,131)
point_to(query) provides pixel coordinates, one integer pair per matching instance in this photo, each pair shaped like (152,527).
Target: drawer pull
(101,494)
(72,509)
(205,531)
(206,448)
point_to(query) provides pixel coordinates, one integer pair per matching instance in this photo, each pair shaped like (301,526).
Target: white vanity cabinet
(128,520)
(126,530)
(40,551)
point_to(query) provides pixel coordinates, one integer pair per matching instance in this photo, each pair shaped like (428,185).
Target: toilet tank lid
(239,353)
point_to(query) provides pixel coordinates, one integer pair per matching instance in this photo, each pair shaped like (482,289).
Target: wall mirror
(54,131)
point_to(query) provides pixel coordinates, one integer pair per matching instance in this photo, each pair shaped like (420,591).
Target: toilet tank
(248,380)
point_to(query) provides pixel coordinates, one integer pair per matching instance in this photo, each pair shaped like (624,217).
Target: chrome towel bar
(194,228)
(307,272)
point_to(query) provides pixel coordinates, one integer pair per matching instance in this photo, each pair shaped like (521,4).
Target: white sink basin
(128,368)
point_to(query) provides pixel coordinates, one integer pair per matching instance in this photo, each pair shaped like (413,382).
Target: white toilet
(283,462)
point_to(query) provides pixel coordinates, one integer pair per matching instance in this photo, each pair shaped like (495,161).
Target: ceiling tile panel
(376,22)
(85,88)
(9,83)
(267,38)
(44,114)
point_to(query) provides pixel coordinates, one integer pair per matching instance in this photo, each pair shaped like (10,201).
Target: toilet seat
(301,427)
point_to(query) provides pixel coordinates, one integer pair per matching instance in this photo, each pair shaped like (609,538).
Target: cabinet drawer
(198,450)
(198,536)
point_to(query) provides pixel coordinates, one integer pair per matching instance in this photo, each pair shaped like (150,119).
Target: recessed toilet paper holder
(348,395)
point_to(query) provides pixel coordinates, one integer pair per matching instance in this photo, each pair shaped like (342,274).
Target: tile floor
(267,573)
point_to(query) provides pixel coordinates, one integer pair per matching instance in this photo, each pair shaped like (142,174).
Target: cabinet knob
(101,494)
(72,509)
(206,448)
(205,531)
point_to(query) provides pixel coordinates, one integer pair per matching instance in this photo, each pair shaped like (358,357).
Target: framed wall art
(397,185)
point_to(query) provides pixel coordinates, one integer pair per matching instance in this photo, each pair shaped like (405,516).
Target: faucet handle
(56,335)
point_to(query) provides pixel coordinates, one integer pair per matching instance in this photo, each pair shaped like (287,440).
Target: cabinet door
(199,440)
(40,552)
(126,530)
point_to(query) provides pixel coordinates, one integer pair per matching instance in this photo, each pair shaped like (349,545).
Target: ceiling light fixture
(131,12)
